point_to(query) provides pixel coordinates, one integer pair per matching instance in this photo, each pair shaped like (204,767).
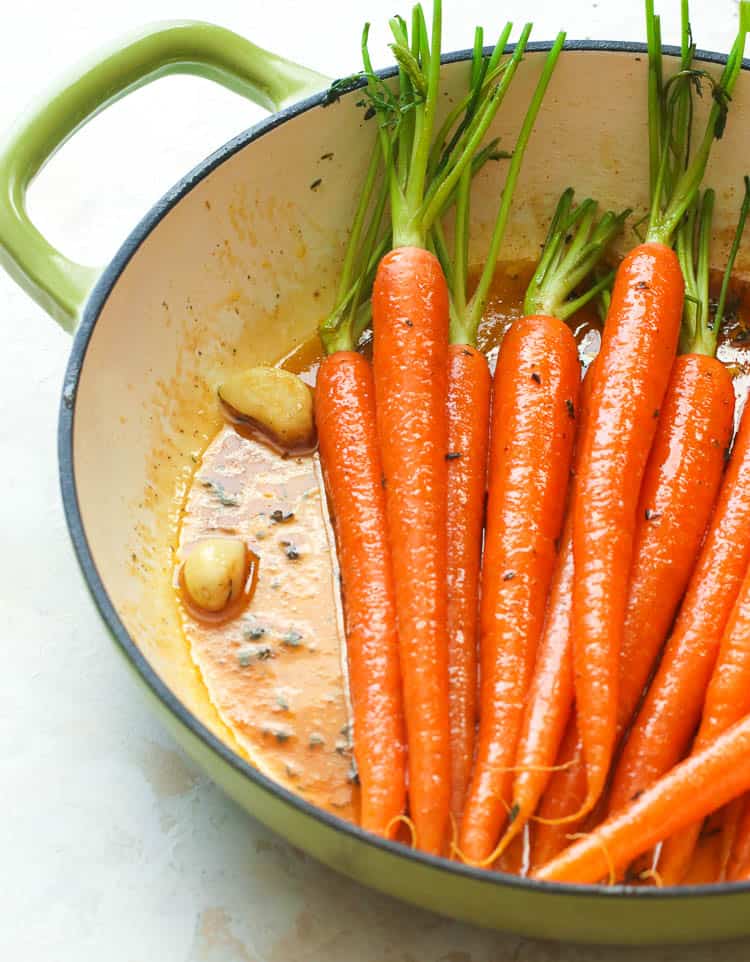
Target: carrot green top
(576,242)
(675,175)
(700,332)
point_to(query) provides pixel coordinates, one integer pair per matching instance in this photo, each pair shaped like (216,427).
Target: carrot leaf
(675,175)
(575,245)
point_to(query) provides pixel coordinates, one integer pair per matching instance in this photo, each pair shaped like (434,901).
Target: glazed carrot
(672,707)
(410,363)
(550,696)
(692,790)
(345,415)
(740,856)
(410,360)
(350,458)
(562,799)
(638,348)
(727,701)
(469,383)
(638,345)
(731,818)
(673,704)
(680,486)
(533,422)
(410,324)
(684,470)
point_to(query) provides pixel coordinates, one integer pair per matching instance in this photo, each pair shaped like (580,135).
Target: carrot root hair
(516,769)
(602,844)
(651,874)
(403,820)
(582,812)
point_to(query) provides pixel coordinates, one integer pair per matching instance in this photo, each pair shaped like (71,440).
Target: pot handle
(58,284)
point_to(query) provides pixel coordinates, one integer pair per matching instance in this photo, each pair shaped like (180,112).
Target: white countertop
(114,846)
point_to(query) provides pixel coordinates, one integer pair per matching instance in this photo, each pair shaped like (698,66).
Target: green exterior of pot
(189,47)
(122,321)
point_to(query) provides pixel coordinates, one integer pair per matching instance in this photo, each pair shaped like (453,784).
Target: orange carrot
(345,415)
(533,421)
(692,790)
(740,857)
(410,360)
(696,423)
(549,703)
(727,701)
(638,346)
(563,798)
(469,383)
(680,486)
(673,704)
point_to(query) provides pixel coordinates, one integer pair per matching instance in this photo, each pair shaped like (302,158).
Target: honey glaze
(276,671)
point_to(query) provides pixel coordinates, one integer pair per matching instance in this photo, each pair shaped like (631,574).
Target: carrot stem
(734,250)
(672,194)
(575,244)
(476,305)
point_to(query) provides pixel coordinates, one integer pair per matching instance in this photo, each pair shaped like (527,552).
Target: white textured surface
(113,845)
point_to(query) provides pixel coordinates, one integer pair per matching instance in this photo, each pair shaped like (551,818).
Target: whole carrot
(740,857)
(562,800)
(575,243)
(673,705)
(638,348)
(350,458)
(671,710)
(727,702)
(345,415)
(410,362)
(692,790)
(533,422)
(469,384)
(682,476)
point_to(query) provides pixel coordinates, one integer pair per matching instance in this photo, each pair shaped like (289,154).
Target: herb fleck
(513,813)
(254,631)
(290,550)
(327,156)
(228,500)
(536,378)
(315,739)
(316,183)
(293,638)
(509,575)
(282,517)
(652,515)
(571,409)
(452,455)
(250,653)
(353,774)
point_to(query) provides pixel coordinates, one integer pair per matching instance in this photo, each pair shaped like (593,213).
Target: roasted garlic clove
(276,402)
(214,572)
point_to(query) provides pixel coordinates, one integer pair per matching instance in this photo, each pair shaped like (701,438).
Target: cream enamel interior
(243,268)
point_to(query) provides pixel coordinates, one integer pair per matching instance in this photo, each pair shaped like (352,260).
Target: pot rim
(66,464)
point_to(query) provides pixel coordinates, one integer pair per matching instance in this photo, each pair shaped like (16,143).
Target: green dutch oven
(242,252)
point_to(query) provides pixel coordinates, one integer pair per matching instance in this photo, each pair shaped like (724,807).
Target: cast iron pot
(242,254)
